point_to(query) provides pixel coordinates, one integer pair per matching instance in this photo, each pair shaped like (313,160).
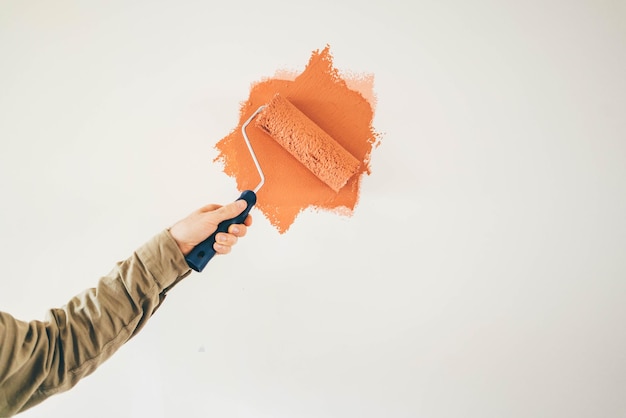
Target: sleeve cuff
(164,260)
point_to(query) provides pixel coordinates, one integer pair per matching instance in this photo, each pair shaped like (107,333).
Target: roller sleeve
(307,142)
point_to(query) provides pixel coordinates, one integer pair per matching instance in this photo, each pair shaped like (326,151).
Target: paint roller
(304,140)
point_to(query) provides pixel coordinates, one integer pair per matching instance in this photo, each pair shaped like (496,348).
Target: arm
(41,358)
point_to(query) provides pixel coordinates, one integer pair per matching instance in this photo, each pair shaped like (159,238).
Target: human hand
(200,224)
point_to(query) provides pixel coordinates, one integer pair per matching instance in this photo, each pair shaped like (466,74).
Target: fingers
(209,208)
(199,225)
(228,211)
(240,230)
(225,241)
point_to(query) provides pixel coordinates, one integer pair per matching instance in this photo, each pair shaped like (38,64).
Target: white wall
(481,275)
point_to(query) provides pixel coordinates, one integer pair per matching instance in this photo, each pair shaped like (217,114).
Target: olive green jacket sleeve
(41,358)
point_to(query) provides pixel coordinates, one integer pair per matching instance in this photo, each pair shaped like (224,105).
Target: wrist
(184,247)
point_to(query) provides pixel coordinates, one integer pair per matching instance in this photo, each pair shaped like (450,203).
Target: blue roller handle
(202,253)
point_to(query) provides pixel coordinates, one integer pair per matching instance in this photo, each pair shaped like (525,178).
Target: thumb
(228,211)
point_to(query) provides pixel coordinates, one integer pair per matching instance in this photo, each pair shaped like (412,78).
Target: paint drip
(342,106)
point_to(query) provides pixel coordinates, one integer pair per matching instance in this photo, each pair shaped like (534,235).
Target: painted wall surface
(481,274)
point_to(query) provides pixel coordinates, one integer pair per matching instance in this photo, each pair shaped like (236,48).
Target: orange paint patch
(290,187)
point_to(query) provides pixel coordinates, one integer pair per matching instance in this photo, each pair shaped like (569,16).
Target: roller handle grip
(202,253)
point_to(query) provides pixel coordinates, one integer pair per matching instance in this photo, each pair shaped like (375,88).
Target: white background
(482,275)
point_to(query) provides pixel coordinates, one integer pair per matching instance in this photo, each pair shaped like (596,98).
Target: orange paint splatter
(329,101)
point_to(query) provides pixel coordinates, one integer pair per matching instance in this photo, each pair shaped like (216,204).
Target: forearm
(40,359)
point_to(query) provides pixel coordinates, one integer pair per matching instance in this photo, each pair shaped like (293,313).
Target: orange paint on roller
(313,140)
(307,142)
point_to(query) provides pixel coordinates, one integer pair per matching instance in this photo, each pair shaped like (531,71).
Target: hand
(200,224)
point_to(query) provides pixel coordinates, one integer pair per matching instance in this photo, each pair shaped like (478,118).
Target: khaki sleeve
(41,358)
